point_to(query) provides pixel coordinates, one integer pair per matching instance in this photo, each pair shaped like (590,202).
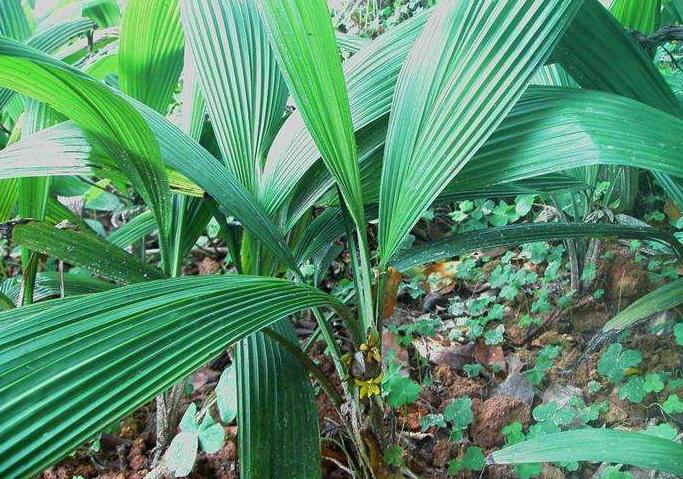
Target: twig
(664,35)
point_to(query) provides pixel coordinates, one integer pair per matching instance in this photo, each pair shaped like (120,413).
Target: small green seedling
(678,334)
(398,389)
(673,405)
(458,414)
(473,460)
(664,431)
(182,452)
(226,395)
(615,361)
(473,370)
(544,361)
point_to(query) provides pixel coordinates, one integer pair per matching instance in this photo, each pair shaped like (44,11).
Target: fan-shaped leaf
(98,110)
(303,40)
(275,399)
(74,152)
(462,243)
(371,79)
(241,82)
(475,59)
(601,55)
(151,51)
(68,371)
(80,248)
(640,15)
(551,128)
(13,21)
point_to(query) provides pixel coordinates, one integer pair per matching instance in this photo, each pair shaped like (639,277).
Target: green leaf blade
(244,90)
(151,51)
(96,109)
(596,445)
(519,234)
(435,131)
(267,375)
(82,248)
(303,40)
(96,358)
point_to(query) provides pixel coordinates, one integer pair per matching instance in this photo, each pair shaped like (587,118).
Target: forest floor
(489,348)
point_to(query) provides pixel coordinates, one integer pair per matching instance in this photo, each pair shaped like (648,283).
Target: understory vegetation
(368,239)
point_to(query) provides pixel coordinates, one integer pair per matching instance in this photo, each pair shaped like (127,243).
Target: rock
(626,279)
(516,384)
(444,450)
(453,356)
(490,355)
(455,384)
(494,414)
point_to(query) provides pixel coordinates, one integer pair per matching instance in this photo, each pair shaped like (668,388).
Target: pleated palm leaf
(437,108)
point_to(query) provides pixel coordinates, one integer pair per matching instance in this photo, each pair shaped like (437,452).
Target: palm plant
(439,107)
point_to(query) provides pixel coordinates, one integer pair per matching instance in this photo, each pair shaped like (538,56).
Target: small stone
(494,414)
(516,384)
(455,356)
(455,384)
